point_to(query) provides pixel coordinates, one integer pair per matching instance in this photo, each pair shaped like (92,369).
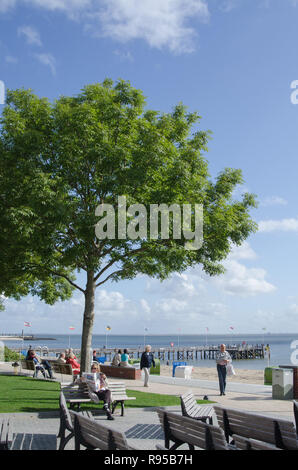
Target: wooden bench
(245,443)
(63,369)
(94,435)
(129,373)
(30,365)
(278,432)
(295,406)
(6,434)
(66,422)
(191,409)
(75,395)
(183,430)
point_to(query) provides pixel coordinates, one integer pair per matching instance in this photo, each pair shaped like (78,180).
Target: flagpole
(145,329)
(70,328)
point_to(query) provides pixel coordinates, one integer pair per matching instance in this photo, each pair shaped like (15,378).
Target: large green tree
(61,160)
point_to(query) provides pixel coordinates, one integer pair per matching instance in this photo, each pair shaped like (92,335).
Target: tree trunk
(88,323)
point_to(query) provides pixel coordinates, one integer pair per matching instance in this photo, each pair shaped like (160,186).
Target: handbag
(230,370)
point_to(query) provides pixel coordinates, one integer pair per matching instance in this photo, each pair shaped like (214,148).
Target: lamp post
(108,328)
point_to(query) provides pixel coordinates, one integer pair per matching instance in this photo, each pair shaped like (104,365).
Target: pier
(194,353)
(236,352)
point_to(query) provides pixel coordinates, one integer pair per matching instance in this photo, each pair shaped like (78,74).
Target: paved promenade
(141,425)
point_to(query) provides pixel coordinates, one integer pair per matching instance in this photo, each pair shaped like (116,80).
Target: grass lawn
(25,394)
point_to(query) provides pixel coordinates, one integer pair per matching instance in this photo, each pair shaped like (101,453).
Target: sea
(282,346)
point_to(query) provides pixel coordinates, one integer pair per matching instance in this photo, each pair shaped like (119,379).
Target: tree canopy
(59,161)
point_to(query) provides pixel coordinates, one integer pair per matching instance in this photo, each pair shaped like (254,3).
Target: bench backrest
(64,413)
(279,432)
(118,390)
(60,368)
(28,365)
(191,431)
(188,404)
(92,433)
(295,405)
(244,443)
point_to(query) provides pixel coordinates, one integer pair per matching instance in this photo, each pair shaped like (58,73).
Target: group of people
(121,358)
(100,386)
(147,360)
(68,357)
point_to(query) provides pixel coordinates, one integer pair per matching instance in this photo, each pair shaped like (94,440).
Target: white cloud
(71,7)
(243,251)
(48,60)
(243,281)
(32,36)
(274,201)
(11,59)
(124,56)
(228,5)
(284,225)
(162,24)
(145,306)
(6,5)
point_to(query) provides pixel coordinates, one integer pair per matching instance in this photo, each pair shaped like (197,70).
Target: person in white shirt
(101,390)
(222,359)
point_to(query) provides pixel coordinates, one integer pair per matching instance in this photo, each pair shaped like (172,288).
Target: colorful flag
(232,328)
(207,329)
(26,323)
(71,327)
(108,328)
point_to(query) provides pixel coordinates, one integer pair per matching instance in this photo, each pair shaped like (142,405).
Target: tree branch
(109,276)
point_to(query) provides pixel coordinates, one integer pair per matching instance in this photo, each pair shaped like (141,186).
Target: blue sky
(231,60)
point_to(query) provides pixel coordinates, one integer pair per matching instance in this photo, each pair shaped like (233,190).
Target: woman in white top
(222,359)
(101,389)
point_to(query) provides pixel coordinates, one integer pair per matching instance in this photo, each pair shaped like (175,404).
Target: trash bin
(268,375)
(177,364)
(183,372)
(282,384)
(295,379)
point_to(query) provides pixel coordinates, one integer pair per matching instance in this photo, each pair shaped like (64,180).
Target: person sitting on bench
(101,389)
(71,359)
(31,356)
(124,359)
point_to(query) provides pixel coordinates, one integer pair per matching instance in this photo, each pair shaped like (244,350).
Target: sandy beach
(205,373)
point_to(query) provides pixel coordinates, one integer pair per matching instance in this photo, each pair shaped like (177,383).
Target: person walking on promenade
(147,359)
(222,359)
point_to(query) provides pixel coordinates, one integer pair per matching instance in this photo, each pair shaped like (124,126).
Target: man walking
(147,360)
(222,359)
